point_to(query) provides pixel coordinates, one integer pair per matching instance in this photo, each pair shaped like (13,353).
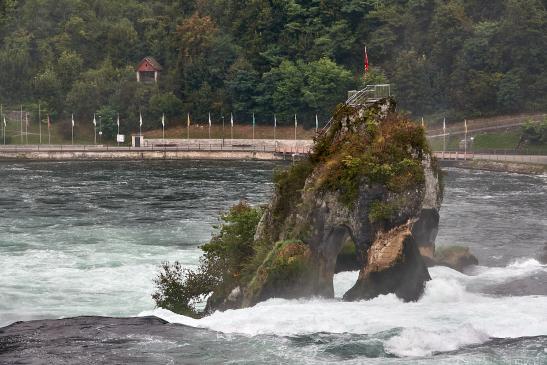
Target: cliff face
(370,181)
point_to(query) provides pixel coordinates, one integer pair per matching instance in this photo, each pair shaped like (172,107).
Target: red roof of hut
(148,64)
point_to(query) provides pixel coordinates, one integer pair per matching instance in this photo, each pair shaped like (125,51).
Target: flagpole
(444,135)
(49,130)
(253,129)
(22,141)
(316,123)
(275,126)
(209,125)
(40,121)
(3,120)
(26,127)
(232,129)
(95,129)
(295,125)
(465,140)
(73,129)
(222,130)
(3,124)
(188,128)
(118,122)
(163,128)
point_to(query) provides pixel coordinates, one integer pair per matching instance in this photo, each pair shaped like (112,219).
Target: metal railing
(368,95)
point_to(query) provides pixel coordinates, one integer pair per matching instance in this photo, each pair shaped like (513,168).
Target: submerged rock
(454,257)
(370,181)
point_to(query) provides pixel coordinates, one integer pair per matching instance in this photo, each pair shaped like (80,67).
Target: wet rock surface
(394,265)
(454,257)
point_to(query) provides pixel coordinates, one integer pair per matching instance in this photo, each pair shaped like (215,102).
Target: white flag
(465,124)
(94,120)
(163,120)
(188,122)
(316,123)
(423,124)
(4,121)
(444,125)
(275,121)
(210,119)
(231,119)
(118,121)
(73,120)
(140,119)
(295,122)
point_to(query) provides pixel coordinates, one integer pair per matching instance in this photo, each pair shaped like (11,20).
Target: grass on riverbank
(506,140)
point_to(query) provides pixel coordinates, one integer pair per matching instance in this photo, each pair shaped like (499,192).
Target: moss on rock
(284,271)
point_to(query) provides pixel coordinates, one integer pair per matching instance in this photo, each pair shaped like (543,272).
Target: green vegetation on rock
(224,259)
(387,152)
(285,268)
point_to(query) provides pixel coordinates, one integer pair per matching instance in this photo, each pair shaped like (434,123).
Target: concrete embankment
(141,155)
(514,167)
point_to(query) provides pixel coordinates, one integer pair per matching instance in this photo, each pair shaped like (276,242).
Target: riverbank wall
(133,155)
(496,166)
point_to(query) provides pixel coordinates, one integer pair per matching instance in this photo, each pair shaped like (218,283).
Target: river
(86,238)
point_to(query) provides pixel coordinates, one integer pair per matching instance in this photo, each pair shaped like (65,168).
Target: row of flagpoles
(25,133)
(188,127)
(210,123)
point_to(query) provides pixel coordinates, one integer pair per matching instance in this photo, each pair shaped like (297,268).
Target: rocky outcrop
(370,181)
(394,265)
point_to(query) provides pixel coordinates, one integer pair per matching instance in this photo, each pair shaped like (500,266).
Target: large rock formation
(370,180)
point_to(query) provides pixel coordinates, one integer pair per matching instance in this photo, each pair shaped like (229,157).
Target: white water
(446,318)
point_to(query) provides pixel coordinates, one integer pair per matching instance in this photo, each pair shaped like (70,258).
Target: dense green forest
(443,57)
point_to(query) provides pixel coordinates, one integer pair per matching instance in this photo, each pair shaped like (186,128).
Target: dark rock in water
(543,258)
(425,231)
(394,266)
(372,181)
(81,340)
(455,257)
(535,284)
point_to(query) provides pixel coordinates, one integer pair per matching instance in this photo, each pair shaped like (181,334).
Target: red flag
(366,60)
(48,122)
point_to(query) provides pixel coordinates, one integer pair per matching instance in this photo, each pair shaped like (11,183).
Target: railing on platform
(369,94)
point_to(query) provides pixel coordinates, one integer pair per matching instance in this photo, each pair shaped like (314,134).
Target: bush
(167,104)
(380,211)
(534,133)
(224,258)
(108,122)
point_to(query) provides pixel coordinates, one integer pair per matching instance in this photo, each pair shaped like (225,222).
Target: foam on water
(446,318)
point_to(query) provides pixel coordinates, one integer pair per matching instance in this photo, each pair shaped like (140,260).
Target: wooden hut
(148,70)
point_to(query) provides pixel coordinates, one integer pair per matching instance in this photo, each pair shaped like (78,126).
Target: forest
(443,58)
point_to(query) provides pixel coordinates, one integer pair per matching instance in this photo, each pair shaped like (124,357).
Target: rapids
(80,238)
